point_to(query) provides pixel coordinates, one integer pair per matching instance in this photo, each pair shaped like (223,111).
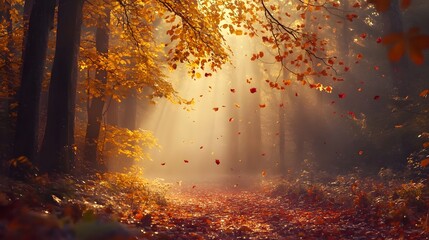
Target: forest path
(201,212)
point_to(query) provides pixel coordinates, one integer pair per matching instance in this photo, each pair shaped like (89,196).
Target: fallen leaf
(424,162)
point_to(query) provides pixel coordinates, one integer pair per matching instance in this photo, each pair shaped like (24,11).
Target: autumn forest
(210,119)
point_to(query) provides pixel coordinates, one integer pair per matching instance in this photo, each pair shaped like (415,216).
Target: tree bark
(27,126)
(58,149)
(95,111)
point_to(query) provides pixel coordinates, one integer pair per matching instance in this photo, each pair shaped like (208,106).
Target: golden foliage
(122,143)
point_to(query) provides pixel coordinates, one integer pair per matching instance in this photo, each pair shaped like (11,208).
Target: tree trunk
(58,149)
(27,126)
(95,111)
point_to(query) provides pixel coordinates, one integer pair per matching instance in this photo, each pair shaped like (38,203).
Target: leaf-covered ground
(220,213)
(123,206)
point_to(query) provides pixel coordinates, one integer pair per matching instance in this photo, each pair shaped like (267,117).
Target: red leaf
(376,97)
(217,161)
(363,35)
(342,95)
(186,161)
(379,40)
(405,4)
(253,90)
(262,105)
(281,105)
(360,152)
(216,109)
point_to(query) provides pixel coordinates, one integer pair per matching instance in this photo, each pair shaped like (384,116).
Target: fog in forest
(231,132)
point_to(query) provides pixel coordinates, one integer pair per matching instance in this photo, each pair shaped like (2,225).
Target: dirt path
(204,213)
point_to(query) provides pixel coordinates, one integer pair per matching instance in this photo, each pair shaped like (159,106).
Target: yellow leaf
(238,32)
(424,162)
(198,75)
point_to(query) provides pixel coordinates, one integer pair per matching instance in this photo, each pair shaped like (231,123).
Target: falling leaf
(163,164)
(380,5)
(232,90)
(296,94)
(186,161)
(201,147)
(231,119)
(217,161)
(405,4)
(360,152)
(341,95)
(379,40)
(281,105)
(262,105)
(399,126)
(237,105)
(424,162)
(424,93)
(216,109)
(263,173)
(253,90)
(194,186)
(363,35)
(376,97)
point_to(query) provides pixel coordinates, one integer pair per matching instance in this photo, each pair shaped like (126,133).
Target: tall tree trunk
(58,149)
(95,111)
(27,126)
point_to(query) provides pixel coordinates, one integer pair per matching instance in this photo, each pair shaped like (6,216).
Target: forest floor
(219,213)
(119,207)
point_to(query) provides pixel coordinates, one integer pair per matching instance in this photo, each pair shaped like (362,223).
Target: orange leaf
(424,162)
(262,105)
(424,93)
(397,51)
(426,145)
(216,109)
